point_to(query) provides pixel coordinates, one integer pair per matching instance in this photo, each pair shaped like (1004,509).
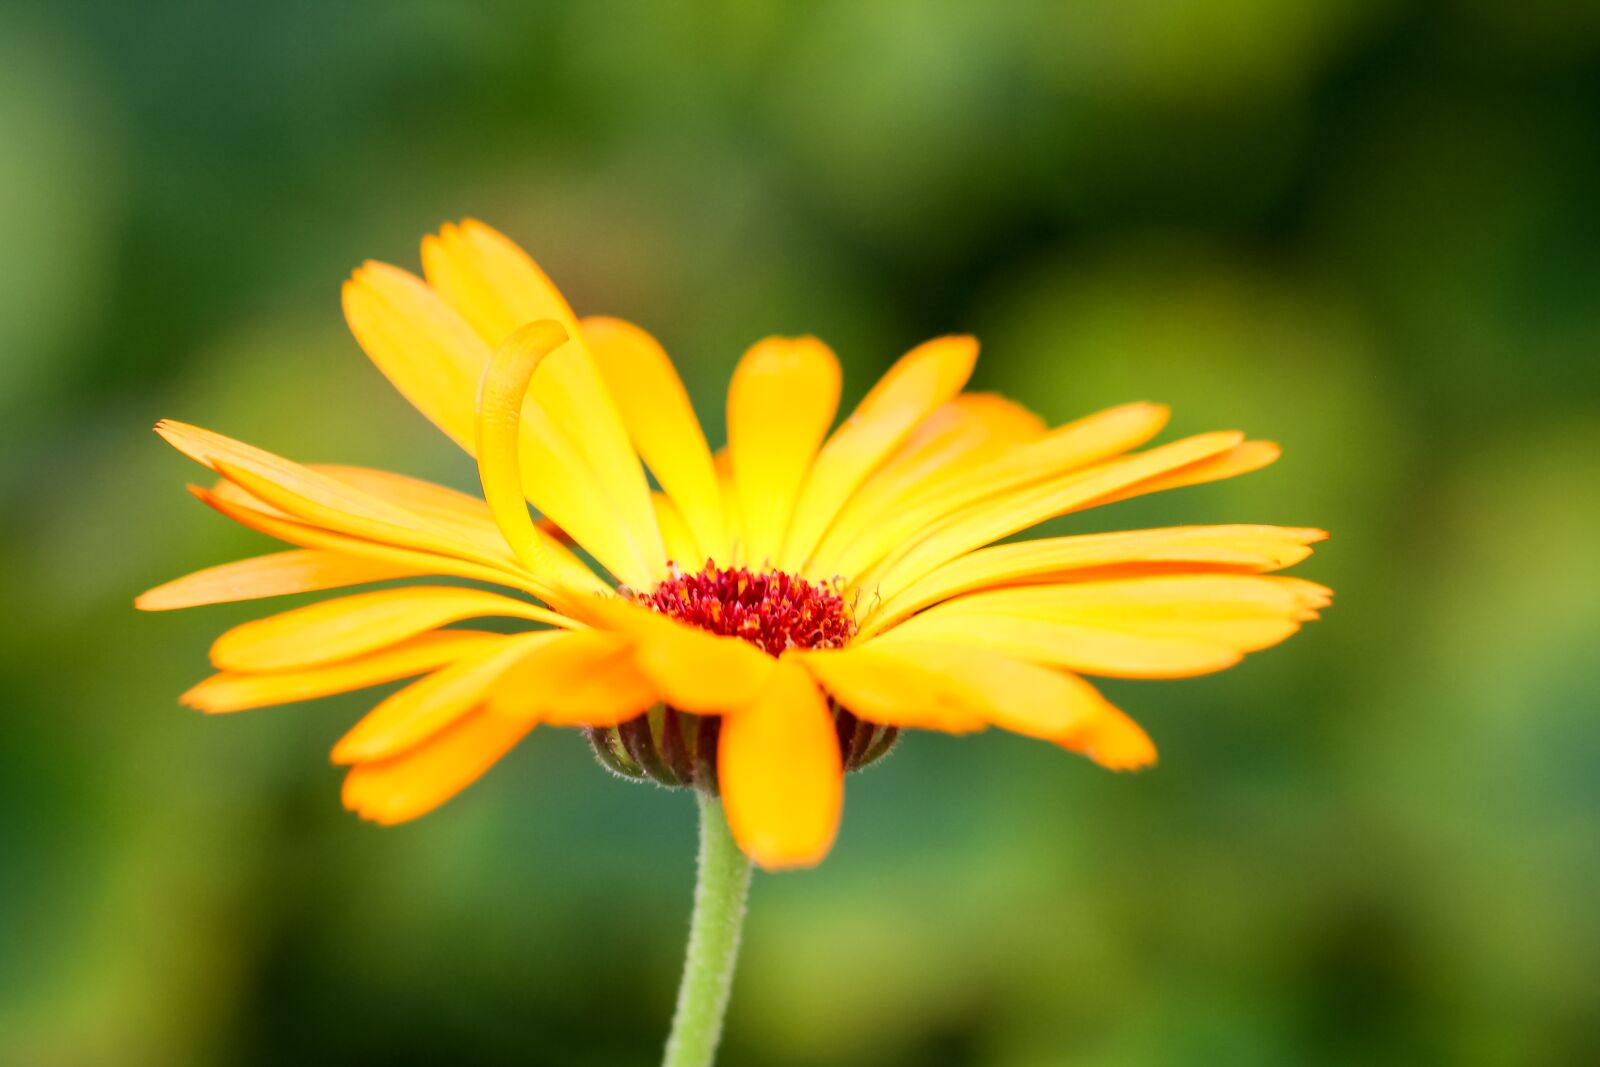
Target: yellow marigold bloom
(765,619)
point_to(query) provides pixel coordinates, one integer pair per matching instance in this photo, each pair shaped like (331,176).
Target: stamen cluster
(772,610)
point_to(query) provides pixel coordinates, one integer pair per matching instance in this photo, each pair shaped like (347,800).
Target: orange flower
(833,589)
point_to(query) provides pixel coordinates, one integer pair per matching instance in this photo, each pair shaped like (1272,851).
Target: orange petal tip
(1130,765)
(195,698)
(345,753)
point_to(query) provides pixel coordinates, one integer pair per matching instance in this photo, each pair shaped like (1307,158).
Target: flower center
(772,610)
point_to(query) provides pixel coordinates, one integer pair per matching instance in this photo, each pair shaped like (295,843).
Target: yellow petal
(923,380)
(1164,627)
(1076,445)
(500,290)
(420,710)
(436,359)
(559,483)
(499,427)
(1012,512)
(781,402)
(1257,548)
(569,390)
(319,498)
(1241,459)
(682,548)
(223,491)
(402,531)
(584,678)
(734,555)
(492,283)
(296,571)
(1114,741)
(461,513)
(1057,457)
(298,533)
(349,626)
(893,687)
(781,773)
(1036,702)
(416,782)
(416,495)
(970,429)
(662,423)
(522,452)
(693,670)
(1100,650)
(1169,597)
(466,516)
(231,691)
(221,454)
(951,686)
(427,350)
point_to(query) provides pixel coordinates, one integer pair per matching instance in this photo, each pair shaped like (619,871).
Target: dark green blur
(1367,229)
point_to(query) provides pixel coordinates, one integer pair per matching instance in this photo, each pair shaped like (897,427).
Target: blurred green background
(1368,229)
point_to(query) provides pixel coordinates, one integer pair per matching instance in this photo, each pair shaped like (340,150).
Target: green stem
(719,896)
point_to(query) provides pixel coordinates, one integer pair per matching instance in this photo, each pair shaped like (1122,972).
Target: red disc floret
(772,610)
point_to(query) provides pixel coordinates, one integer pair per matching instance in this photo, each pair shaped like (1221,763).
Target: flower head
(773,610)
(770,615)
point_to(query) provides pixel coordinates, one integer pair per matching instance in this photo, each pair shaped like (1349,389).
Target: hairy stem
(719,900)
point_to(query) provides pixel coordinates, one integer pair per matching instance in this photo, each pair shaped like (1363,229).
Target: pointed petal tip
(350,292)
(194,698)
(1132,764)
(361,278)
(1113,741)
(1311,594)
(171,431)
(360,810)
(1124,755)
(159,598)
(966,341)
(471,225)
(1156,415)
(378,812)
(351,796)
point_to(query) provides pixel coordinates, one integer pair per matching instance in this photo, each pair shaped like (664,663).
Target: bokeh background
(1369,229)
